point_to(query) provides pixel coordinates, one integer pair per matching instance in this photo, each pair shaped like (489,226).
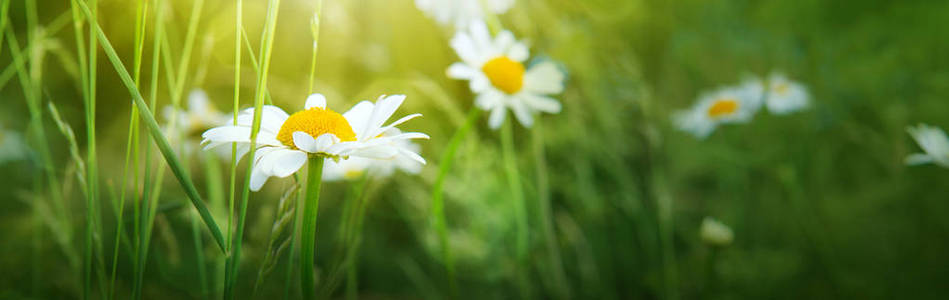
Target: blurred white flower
(785,96)
(727,105)
(461,12)
(495,70)
(354,168)
(935,146)
(285,141)
(12,147)
(714,233)
(197,117)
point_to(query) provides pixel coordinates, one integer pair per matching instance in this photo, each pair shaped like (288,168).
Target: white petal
(198,102)
(383,110)
(918,159)
(541,103)
(315,100)
(284,162)
(461,71)
(359,117)
(465,47)
(480,35)
(544,78)
(304,142)
(518,52)
(522,113)
(324,141)
(497,117)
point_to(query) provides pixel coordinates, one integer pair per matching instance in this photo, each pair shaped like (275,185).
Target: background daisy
(727,105)
(785,96)
(935,146)
(461,12)
(494,67)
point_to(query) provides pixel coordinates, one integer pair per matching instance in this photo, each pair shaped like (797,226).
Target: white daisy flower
(285,141)
(12,146)
(461,12)
(785,96)
(935,146)
(354,168)
(496,72)
(199,116)
(715,233)
(727,105)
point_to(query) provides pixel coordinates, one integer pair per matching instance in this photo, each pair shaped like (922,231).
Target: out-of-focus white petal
(315,100)
(497,117)
(544,78)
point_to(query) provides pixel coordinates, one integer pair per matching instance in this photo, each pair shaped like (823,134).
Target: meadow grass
(603,200)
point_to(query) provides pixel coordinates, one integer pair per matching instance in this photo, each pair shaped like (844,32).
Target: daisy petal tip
(315,100)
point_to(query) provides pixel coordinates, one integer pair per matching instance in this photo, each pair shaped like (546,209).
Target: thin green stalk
(438,202)
(232,267)
(315,31)
(132,142)
(143,211)
(355,240)
(51,29)
(294,250)
(4,9)
(520,205)
(156,133)
(546,216)
(237,98)
(310,208)
(199,257)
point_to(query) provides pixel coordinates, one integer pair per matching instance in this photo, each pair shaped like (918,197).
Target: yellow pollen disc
(315,122)
(505,74)
(781,88)
(723,107)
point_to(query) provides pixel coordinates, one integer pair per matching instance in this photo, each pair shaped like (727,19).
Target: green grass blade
(156,133)
(438,201)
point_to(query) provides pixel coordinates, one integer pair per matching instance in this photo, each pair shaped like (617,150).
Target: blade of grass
(266,47)
(546,216)
(438,202)
(520,206)
(156,133)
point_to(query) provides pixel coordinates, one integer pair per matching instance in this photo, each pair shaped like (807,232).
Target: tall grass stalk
(232,186)
(520,206)
(267,37)
(555,262)
(132,141)
(438,201)
(155,132)
(355,240)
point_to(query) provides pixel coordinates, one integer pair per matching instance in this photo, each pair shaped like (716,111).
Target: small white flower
(353,168)
(715,233)
(785,96)
(285,141)
(461,12)
(935,146)
(199,116)
(495,70)
(727,105)
(12,146)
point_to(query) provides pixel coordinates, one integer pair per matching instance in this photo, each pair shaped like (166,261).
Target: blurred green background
(820,201)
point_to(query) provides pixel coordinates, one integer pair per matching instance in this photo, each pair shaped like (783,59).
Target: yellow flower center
(505,74)
(781,88)
(315,122)
(723,107)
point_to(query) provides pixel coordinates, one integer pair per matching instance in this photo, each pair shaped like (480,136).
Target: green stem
(355,239)
(520,205)
(310,208)
(155,131)
(438,202)
(546,216)
(233,264)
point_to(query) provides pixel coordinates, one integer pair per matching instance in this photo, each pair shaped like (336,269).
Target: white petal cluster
(476,47)
(715,233)
(935,146)
(460,13)
(778,94)
(273,158)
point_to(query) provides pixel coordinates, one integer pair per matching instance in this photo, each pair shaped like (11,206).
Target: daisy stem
(314,177)
(546,215)
(520,206)
(352,257)
(438,202)
(266,47)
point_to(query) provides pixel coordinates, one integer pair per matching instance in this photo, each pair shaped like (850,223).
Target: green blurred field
(820,201)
